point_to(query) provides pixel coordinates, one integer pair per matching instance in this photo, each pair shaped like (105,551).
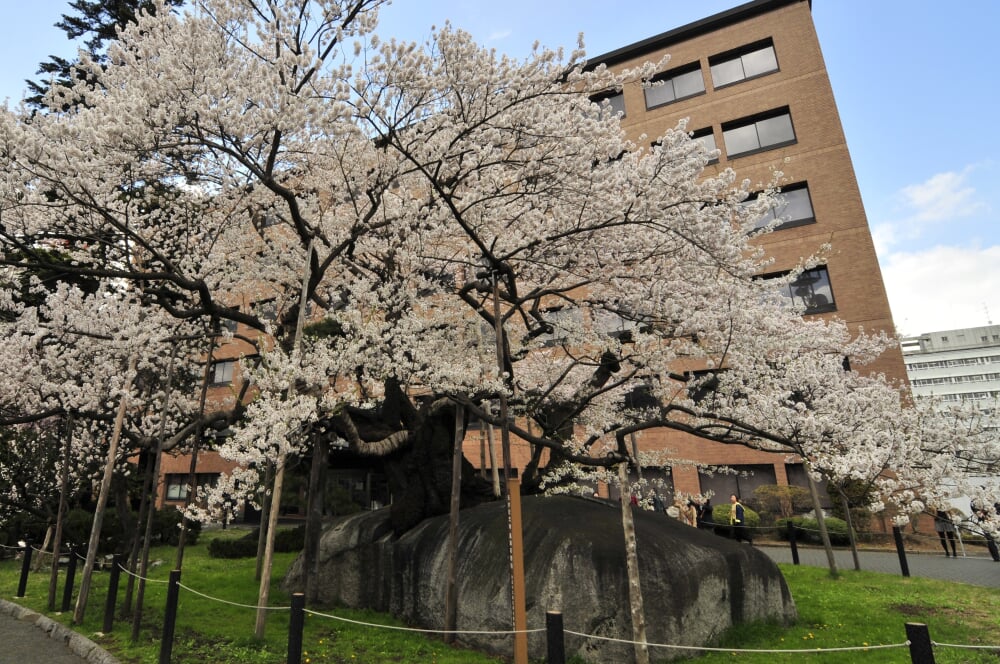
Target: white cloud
(498,36)
(940,199)
(943,288)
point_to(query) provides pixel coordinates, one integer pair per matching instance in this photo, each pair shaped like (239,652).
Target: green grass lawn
(859,608)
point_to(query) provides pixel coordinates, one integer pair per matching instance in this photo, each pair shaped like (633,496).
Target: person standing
(737,520)
(983,516)
(705,519)
(945,528)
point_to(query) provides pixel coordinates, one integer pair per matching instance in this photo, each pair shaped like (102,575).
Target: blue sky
(915,83)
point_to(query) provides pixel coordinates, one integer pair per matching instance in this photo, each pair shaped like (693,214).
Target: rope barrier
(424,631)
(139,576)
(904,644)
(226,601)
(964,647)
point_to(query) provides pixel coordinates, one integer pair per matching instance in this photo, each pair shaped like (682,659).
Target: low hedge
(720,514)
(808,530)
(288,540)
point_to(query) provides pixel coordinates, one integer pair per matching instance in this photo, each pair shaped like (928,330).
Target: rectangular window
(177,484)
(222,372)
(675,85)
(611,102)
(811,291)
(707,138)
(230,325)
(794,208)
(758,133)
(746,62)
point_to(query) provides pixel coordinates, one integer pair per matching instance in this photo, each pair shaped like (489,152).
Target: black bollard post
(67,599)
(921,648)
(555,647)
(295,624)
(170,617)
(22,585)
(793,542)
(109,606)
(897,535)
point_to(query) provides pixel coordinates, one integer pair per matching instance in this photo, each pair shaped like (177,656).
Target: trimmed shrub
(244,547)
(809,530)
(720,514)
(290,540)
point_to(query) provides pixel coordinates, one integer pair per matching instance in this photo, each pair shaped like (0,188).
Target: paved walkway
(29,637)
(978,570)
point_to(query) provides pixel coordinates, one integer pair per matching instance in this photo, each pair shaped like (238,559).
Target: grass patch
(869,608)
(859,608)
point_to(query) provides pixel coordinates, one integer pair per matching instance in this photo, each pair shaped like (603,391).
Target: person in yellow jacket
(737,520)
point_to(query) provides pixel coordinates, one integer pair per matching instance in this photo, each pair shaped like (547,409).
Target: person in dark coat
(945,528)
(705,519)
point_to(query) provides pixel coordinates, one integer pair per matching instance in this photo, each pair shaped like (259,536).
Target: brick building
(753,84)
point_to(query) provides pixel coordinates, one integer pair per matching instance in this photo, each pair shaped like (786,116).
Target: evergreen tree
(98,22)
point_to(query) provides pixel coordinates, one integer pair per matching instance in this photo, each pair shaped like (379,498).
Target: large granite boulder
(695,584)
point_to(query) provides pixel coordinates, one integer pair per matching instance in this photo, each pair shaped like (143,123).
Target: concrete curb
(79,644)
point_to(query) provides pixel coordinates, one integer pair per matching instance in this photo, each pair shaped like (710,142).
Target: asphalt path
(29,638)
(977,568)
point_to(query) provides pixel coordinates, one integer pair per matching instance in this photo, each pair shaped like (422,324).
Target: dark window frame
(738,54)
(802,281)
(216,365)
(600,98)
(668,77)
(754,121)
(791,223)
(708,131)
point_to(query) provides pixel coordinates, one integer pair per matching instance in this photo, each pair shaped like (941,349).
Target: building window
(674,85)
(811,291)
(794,208)
(177,484)
(222,372)
(758,133)
(707,138)
(611,102)
(230,325)
(267,310)
(748,61)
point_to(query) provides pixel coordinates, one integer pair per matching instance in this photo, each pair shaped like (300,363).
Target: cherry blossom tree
(222,152)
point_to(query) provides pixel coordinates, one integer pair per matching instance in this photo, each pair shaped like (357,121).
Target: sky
(915,83)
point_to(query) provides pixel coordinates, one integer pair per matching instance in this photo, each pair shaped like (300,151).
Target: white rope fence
(904,644)
(423,631)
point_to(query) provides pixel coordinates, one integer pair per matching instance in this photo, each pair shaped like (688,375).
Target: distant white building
(955,365)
